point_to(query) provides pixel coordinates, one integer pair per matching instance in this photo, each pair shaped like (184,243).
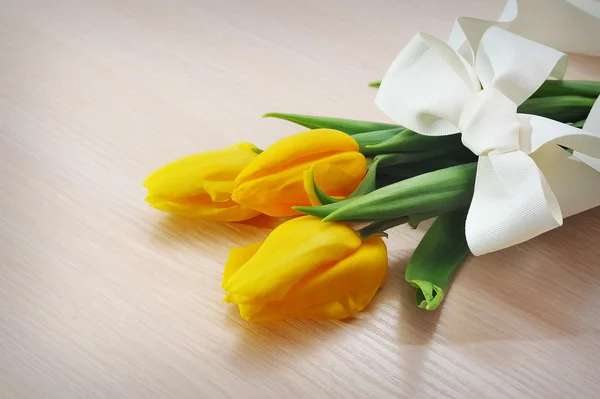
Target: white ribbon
(525,182)
(572,26)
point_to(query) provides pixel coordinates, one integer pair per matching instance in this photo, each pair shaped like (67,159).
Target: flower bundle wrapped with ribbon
(485,141)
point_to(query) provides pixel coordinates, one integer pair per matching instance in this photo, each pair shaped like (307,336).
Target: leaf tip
(302,208)
(429,295)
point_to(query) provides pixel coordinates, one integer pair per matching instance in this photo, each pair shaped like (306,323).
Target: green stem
(401,158)
(563,108)
(553,88)
(409,141)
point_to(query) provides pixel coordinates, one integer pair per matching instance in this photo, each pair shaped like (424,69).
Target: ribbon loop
(516,66)
(450,85)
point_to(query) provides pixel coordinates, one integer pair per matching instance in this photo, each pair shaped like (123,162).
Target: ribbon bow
(525,182)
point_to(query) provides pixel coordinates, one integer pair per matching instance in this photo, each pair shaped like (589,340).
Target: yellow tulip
(305,268)
(274,181)
(200,185)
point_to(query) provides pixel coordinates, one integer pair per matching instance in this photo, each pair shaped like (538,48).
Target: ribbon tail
(574,183)
(579,22)
(538,20)
(537,131)
(592,125)
(512,203)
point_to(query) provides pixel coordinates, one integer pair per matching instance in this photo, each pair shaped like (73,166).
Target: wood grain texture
(103,297)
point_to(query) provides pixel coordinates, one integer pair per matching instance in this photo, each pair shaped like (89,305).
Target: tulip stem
(378,228)
(560,108)
(553,88)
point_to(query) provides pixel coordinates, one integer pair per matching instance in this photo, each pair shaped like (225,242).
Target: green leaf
(409,141)
(438,192)
(377,83)
(367,185)
(379,228)
(311,188)
(323,210)
(348,126)
(415,220)
(371,138)
(579,124)
(562,108)
(437,258)
(553,88)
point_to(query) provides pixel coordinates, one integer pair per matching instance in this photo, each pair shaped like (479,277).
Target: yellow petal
(298,148)
(331,292)
(264,222)
(237,258)
(206,173)
(275,194)
(309,186)
(339,175)
(201,206)
(292,251)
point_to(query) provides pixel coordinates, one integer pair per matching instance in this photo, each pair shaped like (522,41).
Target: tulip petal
(275,194)
(291,252)
(263,222)
(311,188)
(340,174)
(206,173)
(201,206)
(237,258)
(300,148)
(331,292)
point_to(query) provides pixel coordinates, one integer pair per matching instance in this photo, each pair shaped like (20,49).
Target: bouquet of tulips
(340,185)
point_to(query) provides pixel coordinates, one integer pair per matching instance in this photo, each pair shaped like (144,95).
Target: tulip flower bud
(274,182)
(306,268)
(200,185)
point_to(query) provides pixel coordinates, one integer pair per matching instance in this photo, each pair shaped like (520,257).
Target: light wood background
(103,297)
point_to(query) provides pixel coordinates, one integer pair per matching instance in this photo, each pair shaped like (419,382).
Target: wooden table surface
(103,297)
